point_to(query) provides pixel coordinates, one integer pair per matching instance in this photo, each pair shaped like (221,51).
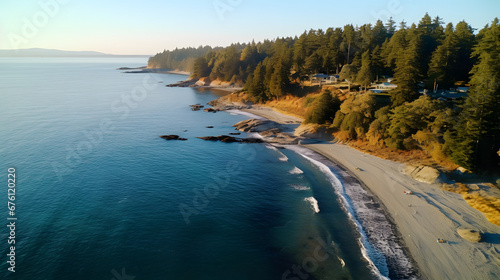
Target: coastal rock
(425,174)
(196,107)
(283,138)
(219,83)
(203,82)
(172,137)
(270,132)
(470,235)
(254,125)
(186,83)
(226,103)
(210,110)
(230,139)
(314,131)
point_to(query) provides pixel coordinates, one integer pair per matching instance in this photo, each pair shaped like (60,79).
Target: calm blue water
(100,196)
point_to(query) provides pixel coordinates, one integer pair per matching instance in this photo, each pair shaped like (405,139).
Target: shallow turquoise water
(100,196)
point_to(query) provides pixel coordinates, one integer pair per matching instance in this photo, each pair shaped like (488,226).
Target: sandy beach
(421,218)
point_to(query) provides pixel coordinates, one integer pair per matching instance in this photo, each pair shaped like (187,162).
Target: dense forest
(428,54)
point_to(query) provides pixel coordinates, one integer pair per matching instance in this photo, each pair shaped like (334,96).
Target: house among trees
(324,79)
(385,86)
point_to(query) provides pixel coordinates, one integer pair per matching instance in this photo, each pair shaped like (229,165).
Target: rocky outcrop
(186,83)
(425,174)
(230,139)
(470,235)
(210,110)
(269,130)
(283,138)
(172,137)
(196,107)
(314,131)
(254,125)
(203,82)
(224,103)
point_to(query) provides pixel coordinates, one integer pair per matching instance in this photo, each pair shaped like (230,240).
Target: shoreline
(418,219)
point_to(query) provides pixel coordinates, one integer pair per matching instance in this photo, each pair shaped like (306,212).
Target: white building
(385,86)
(324,79)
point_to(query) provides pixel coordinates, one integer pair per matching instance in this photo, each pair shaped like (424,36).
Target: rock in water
(173,137)
(470,235)
(170,137)
(230,139)
(210,110)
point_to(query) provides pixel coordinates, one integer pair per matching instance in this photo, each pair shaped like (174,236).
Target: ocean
(98,195)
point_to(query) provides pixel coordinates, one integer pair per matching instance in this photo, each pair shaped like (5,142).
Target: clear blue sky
(149,26)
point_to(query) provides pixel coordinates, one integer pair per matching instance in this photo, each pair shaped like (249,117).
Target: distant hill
(37,52)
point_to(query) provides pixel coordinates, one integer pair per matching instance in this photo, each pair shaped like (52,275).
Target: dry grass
(486,201)
(288,105)
(414,157)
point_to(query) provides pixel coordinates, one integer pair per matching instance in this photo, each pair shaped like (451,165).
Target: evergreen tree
(430,33)
(393,49)
(391,27)
(365,74)
(444,60)
(379,33)
(349,73)
(476,137)
(349,37)
(313,64)
(323,109)
(377,63)
(279,80)
(407,75)
(367,38)
(464,62)
(255,84)
(201,68)
(355,116)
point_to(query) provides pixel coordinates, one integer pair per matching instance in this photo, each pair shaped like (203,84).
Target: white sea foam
(238,112)
(296,170)
(376,260)
(314,203)
(283,158)
(300,187)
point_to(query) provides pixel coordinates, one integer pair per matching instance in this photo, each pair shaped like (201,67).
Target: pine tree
(407,75)
(393,49)
(349,37)
(464,61)
(391,27)
(430,33)
(365,74)
(255,84)
(444,60)
(313,63)
(476,138)
(349,73)
(201,68)
(379,33)
(279,81)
